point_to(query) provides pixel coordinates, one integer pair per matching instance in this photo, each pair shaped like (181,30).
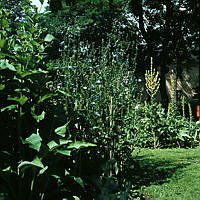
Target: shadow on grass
(147,171)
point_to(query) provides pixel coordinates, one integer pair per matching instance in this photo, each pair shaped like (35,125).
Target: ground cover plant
(168,174)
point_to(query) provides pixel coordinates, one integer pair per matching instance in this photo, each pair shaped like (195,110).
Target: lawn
(168,174)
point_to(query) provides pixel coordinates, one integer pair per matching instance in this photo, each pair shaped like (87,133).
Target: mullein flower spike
(152,81)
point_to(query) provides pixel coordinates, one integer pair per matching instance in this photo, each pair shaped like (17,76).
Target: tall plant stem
(19,130)
(110,132)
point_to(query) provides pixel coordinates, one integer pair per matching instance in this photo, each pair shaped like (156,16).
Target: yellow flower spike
(152,81)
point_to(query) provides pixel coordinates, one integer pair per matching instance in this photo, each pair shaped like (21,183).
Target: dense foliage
(150,126)
(71,109)
(34,160)
(51,111)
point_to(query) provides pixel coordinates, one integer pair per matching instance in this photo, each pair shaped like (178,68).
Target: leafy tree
(87,21)
(169,32)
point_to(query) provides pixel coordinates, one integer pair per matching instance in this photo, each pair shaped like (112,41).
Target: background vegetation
(72,110)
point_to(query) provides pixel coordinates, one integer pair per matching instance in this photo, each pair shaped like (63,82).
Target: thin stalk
(111,122)
(32,184)
(190,112)
(183,106)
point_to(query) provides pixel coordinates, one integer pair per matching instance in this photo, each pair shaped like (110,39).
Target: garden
(84,106)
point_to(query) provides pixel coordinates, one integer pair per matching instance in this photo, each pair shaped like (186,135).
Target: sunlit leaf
(8,169)
(61,130)
(35,163)
(49,38)
(116,168)
(79,181)
(80,144)
(66,172)
(8,108)
(34,141)
(64,152)
(43,170)
(22,100)
(52,145)
(63,141)
(5,65)
(38,118)
(55,176)
(76,198)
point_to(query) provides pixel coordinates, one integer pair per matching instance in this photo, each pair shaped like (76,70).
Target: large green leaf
(80,144)
(38,118)
(5,65)
(49,38)
(64,152)
(34,141)
(35,163)
(22,100)
(53,145)
(8,108)
(61,130)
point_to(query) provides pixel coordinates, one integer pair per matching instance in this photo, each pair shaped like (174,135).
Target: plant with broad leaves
(35,158)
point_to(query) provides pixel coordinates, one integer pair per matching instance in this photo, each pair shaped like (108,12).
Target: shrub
(149,126)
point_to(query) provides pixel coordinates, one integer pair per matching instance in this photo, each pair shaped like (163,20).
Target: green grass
(168,174)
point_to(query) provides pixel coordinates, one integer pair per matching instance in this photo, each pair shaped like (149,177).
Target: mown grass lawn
(168,174)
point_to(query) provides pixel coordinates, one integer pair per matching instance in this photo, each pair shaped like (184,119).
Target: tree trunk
(163,89)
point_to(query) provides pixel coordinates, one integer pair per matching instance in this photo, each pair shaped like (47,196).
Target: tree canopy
(166,30)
